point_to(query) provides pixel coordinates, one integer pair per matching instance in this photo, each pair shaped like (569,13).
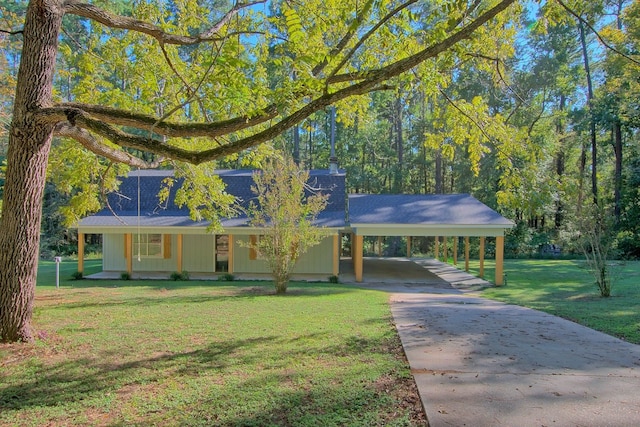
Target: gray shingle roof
(381,209)
(449,209)
(124,203)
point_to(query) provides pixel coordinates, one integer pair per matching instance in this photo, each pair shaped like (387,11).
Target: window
(148,245)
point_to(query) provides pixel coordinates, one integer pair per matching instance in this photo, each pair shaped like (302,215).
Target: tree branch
(349,77)
(597,34)
(345,39)
(120,117)
(124,139)
(11,33)
(92,144)
(368,34)
(497,62)
(475,123)
(126,23)
(99,119)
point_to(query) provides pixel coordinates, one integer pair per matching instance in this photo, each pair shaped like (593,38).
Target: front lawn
(207,353)
(565,288)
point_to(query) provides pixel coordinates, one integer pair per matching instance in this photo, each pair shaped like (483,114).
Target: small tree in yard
(597,246)
(286,211)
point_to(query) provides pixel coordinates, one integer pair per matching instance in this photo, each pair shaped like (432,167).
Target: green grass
(47,272)
(566,288)
(206,353)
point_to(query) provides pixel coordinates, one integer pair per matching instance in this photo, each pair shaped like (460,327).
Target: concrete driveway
(479,362)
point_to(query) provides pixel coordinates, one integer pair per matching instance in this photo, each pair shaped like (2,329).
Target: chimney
(333,160)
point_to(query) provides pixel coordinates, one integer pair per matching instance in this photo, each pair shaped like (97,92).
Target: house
(140,234)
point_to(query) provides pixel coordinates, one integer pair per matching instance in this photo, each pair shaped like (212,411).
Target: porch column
(179,252)
(455,250)
(437,249)
(379,246)
(128,251)
(81,252)
(357,256)
(336,254)
(230,254)
(408,246)
(499,260)
(466,254)
(481,254)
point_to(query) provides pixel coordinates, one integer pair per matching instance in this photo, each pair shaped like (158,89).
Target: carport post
(499,260)
(408,246)
(437,249)
(81,252)
(466,254)
(481,254)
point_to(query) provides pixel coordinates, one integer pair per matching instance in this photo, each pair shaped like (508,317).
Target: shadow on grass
(332,404)
(72,380)
(65,382)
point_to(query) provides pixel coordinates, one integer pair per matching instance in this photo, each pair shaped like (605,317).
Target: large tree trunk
(29,144)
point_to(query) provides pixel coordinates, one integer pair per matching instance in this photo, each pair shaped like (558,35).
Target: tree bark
(592,120)
(439,177)
(560,164)
(399,143)
(617,149)
(27,157)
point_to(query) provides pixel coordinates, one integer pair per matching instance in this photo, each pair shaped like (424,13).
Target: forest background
(539,119)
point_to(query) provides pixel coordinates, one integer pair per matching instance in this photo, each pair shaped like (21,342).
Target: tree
(336,52)
(596,239)
(286,210)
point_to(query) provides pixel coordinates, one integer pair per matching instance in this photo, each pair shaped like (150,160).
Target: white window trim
(144,250)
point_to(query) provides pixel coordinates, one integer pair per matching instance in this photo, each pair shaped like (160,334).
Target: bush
(628,244)
(77,275)
(227,277)
(125,276)
(334,279)
(175,276)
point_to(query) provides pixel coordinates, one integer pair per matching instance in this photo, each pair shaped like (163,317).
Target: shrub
(77,275)
(125,275)
(334,279)
(227,277)
(175,276)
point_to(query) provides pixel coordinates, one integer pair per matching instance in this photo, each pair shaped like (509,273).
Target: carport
(439,216)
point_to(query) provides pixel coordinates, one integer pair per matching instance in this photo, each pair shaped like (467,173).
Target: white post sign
(58,259)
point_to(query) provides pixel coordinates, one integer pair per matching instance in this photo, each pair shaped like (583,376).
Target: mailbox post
(58,259)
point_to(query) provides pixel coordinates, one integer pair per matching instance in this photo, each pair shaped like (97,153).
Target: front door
(222,252)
